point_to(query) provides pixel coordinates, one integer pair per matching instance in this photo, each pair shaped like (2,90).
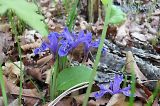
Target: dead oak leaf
(5,43)
(30,96)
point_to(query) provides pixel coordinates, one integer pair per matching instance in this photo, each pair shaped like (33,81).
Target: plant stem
(3,87)
(14,30)
(133,85)
(54,74)
(69,24)
(43,99)
(72,15)
(154,94)
(60,62)
(90,11)
(107,17)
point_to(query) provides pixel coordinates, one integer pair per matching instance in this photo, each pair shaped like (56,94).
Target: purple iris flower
(114,88)
(66,41)
(52,45)
(72,40)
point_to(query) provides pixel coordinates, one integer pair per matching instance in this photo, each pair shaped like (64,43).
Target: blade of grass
(155,93)
(125,76)
(14,31)
(72,15)
(133,85)
(43,99)
(3,87)
(108,9)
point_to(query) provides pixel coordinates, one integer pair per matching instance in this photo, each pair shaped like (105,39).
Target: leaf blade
(27,12)
(70,77)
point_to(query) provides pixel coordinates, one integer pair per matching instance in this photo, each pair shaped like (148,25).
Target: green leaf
(27,12)
(70,77)
(117,15)
(105,2)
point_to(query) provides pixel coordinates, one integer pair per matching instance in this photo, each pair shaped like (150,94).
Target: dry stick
(91,79)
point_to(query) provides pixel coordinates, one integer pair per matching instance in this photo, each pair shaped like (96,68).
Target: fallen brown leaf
(117,100)
(131,62)
(122,36)
(12,71)
(30,96)
(91,102)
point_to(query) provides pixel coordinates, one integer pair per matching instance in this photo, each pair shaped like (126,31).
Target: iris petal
(99,94)
(96,43)
(103,90)
(65,48)
(36,51)
(114,87)
(126,91)
(53,42)
(117,81)
(66,41)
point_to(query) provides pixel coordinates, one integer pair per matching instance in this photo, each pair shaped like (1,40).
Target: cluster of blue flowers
(114,88)
(66,41)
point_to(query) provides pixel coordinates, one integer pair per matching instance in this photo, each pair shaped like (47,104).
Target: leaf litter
(130,41)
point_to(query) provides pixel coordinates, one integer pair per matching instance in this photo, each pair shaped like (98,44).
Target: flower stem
(14,30)
(90,9)
(2,84)
(54,74)
(107,17)
(133,85)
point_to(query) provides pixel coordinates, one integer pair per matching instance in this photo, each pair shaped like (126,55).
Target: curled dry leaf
(131,62)
(31,46)
(12,70)
(120,100)
(147,92)
(5,43)
(122,36)
(44,60)
(36,73)
(29,37)
(31,96)
(117,100)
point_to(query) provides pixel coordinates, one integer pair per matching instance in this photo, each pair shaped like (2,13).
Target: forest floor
(135,41)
